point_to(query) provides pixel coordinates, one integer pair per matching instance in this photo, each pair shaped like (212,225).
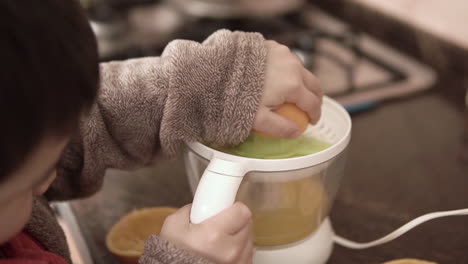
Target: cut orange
(291,112)
(409,261)
(126,239)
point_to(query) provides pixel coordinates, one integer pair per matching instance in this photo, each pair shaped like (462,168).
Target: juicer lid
(333,127)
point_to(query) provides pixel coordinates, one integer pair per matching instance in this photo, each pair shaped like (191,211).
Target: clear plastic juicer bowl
(289,198)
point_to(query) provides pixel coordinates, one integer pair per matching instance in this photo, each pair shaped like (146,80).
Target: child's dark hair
(48,73)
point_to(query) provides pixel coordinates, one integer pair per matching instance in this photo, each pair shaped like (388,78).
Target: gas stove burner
(343,54)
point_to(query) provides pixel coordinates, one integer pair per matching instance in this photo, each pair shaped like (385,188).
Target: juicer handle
(217,189)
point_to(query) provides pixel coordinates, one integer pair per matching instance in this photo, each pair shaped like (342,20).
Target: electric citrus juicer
(290,198)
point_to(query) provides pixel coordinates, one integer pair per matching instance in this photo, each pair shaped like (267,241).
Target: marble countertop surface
(435,32)
(447,20)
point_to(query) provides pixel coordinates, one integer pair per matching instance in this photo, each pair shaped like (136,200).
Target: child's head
(48,77)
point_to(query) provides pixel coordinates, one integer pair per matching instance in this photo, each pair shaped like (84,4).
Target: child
(60,132)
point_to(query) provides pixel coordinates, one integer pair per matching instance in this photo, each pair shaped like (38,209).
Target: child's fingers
(231,220)
(308,102)
(247,253)
(248,249)
(312,83)
(179,220)
(240,246)
(184,213)
(275,125)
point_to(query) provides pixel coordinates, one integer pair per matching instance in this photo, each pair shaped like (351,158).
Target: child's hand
(286,81)
(225,238)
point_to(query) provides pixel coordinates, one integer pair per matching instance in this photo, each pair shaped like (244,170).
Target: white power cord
(400,231)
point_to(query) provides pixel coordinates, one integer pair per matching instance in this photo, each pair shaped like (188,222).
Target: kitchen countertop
(444,20)
(433,31)
(403,162)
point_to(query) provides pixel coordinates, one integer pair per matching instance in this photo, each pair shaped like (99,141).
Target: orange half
(291,112)
(409,261)
(126,239)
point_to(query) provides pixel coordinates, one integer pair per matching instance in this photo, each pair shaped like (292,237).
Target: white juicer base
(315,249)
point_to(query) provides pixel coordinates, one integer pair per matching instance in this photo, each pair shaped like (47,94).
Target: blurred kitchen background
(400,67)
(353,67)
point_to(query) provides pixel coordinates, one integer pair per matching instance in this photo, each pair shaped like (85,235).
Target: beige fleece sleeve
(205,92)
(160,251)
